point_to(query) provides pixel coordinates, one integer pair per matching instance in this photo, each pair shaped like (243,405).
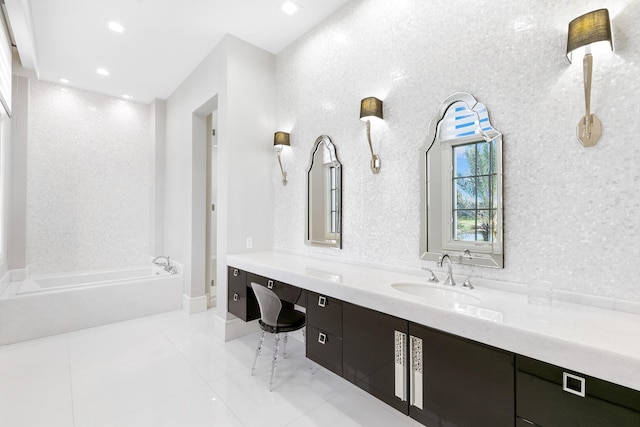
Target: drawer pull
(322,301)
(235,297)
(573,384)
(322,338)
(270,284)
(400,368)
(416,396)
(235,272)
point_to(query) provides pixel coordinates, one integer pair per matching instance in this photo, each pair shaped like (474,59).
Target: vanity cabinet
(241,302)
(434,377)
(324,331)
(440,379)
(372,344)
(459,382)
(550,396)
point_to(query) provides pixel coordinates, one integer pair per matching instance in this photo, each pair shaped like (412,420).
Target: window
(473,182)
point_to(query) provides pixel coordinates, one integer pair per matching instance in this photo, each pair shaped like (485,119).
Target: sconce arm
(587,68)
(375,159)
(284,174)
(589,127)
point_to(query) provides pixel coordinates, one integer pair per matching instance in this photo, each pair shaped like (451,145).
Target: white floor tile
(121,389)
(49,406)
(190,329)
(353,408)
(296,391)
(211,359)
(198,407)
(34,363)
(97,348)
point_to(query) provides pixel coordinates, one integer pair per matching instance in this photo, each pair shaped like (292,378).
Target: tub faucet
(449,280)
(166,264)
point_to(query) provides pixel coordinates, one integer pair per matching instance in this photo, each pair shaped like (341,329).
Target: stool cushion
(288,321)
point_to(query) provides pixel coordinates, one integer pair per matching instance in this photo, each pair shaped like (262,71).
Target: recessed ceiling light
(115,26)
(102,72)
(64,81)
(289,7)
(127,97)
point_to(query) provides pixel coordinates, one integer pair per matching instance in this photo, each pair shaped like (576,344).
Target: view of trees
(474,186)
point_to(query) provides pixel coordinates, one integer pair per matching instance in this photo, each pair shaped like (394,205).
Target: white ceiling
(164,41)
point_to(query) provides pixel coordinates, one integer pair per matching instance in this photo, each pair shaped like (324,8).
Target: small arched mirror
(324,195)
(461,185)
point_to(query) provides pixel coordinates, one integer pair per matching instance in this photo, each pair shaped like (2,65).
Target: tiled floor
(170,370)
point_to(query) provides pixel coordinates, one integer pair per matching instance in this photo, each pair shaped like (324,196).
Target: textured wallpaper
(88,180)
(570,213)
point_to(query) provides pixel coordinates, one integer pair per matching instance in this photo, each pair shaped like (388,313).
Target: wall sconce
(280,140)
(584,31)
(369,108)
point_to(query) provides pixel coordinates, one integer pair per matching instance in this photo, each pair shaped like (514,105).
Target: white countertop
(598,342)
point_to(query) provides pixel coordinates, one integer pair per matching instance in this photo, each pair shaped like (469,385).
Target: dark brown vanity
(438,378)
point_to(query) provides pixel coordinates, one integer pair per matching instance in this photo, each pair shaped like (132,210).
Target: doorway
(211,206)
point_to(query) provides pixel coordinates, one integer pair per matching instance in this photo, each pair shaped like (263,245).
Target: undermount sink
(435,292)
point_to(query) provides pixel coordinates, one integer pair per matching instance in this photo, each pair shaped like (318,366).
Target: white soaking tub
(44,305)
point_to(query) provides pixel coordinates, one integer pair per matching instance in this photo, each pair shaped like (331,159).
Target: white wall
(17,170)
(5,189)
(237,80)
(88,180)
(570,212)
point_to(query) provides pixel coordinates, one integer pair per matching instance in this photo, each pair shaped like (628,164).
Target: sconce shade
(589,28)
(281,139)
(370,107)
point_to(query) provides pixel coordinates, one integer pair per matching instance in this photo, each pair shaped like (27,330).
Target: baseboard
(19,275)
(229,329)
(194,305)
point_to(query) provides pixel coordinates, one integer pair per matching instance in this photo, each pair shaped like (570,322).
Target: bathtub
(44,305)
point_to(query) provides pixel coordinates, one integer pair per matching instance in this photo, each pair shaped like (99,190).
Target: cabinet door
(325,349)
(464,383)
(370,352)
(554,397)
(241,302)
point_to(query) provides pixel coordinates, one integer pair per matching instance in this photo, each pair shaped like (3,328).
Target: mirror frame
(325,141)
(495,259)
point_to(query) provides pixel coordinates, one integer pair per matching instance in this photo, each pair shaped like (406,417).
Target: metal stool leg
(284,345)
(260,342)
(274,363)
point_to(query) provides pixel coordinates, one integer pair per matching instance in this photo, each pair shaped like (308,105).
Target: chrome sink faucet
(449,280)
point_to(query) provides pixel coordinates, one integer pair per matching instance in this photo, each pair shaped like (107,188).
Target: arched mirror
(461,185)
(324,195)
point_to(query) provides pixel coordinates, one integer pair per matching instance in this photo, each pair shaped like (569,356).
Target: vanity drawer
(550,396)
(325,349)
(324,313)
(284,291)
(240,302)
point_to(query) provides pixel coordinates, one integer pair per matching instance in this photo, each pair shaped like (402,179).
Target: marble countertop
(595,341)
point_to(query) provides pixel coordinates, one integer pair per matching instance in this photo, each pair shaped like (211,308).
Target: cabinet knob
(235,272)
(322,338)
(573,384)
(235,297)
(270,284)
(322,301)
